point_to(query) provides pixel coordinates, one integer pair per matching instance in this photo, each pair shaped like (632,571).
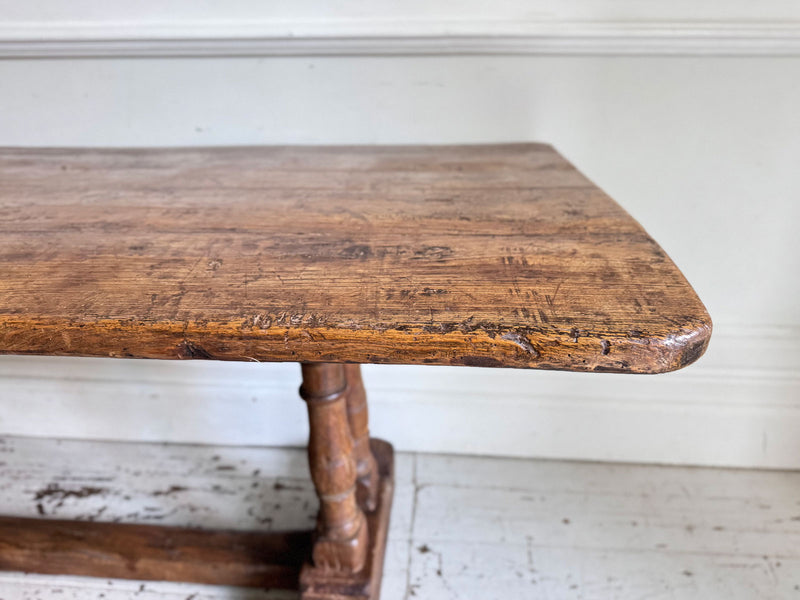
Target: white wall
(693,127)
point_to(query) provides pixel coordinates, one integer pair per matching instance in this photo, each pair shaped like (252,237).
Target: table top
(489,255)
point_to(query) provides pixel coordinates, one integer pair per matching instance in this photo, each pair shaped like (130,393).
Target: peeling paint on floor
(462,527)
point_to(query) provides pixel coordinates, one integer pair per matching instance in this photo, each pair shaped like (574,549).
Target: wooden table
(492,256)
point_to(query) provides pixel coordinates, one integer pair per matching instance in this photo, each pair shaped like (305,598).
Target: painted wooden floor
(462,527)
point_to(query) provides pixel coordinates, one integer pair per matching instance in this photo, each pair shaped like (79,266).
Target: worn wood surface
(152,552)
(475,255)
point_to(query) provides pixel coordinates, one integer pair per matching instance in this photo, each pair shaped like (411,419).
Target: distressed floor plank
(462,527)
(501,528)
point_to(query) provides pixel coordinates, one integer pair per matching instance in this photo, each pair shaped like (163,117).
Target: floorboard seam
(407,593)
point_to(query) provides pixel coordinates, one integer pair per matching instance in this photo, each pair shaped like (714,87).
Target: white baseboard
(739,406)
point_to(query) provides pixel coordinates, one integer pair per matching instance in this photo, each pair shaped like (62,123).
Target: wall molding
(367,37)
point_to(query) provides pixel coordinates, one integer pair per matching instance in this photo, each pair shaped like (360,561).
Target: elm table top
(491,255)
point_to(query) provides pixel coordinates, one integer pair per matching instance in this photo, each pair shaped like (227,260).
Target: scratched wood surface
(461,527)
(499,255)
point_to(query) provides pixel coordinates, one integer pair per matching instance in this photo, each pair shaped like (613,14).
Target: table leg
(349,471)
(341,542)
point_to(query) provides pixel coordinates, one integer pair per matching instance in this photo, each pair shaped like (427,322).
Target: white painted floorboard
(462,527)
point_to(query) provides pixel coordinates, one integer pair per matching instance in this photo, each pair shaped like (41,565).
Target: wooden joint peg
(341,537)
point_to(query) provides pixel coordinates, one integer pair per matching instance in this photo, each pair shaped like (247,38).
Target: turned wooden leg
(342,537)
(358,416)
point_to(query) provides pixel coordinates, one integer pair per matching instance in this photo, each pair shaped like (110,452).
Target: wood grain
(498,255)
(152,552)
